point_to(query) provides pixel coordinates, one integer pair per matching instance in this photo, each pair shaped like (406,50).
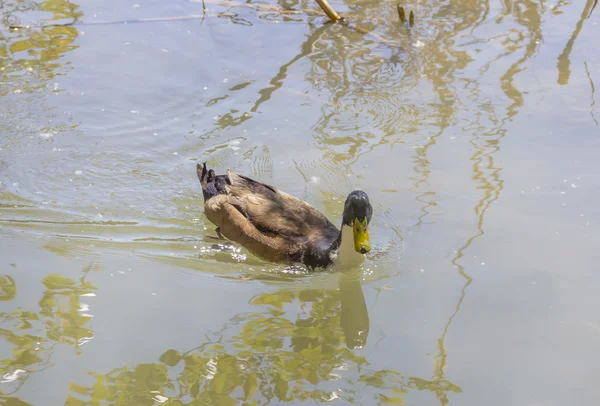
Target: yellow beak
(362,243)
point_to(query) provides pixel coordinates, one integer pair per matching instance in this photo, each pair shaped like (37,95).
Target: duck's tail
(202,174)
(212,184)
(203,178)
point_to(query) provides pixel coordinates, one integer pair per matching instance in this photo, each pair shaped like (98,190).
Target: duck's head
(357,214)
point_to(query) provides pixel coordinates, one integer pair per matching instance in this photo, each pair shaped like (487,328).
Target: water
(475,134)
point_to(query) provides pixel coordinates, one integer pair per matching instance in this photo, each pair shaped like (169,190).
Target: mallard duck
(278,227)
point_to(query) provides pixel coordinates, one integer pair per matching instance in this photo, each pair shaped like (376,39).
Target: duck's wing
(235,226)
(274,212)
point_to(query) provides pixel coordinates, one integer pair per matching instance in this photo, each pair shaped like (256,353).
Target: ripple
(262,164)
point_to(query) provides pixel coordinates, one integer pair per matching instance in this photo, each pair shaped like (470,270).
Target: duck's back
(272,210)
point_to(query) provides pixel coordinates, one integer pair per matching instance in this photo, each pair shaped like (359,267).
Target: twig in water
(331,13)
(402,15)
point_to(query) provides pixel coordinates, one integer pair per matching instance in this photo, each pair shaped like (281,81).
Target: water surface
(475,134)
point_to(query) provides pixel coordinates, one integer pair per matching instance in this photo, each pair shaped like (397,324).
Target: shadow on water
(266,355)
(593,91)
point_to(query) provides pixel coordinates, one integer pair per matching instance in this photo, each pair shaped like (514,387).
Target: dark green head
(357,214)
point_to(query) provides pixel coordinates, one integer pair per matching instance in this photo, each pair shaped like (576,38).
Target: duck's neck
(342,251)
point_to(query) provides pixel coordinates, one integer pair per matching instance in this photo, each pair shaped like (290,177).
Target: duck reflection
(353,313)
(354,318)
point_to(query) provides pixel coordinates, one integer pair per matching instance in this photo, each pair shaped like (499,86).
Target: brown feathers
(269,223)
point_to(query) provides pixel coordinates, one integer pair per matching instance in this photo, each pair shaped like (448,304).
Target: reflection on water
(354,315)
(65,314)
(349,76)
(8,288)
(564,62)
(34,54)
(593,90)
(33,335)
(270,353)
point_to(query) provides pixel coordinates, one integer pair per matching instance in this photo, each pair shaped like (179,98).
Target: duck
(278,227)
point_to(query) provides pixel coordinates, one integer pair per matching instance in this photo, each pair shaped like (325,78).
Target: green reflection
(10,401)
(65,317)
(33,335)
(30,61)
(34,51)
(8,288)
(564,59)
(295,346)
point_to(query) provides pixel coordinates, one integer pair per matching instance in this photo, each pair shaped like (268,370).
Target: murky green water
(476,135)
